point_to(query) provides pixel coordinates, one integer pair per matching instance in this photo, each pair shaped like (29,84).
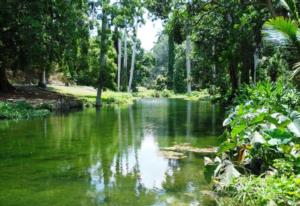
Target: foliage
(276,96)
(160,83)
(274,67)
(262,137)
(272,190)
(42,35)
(20,110)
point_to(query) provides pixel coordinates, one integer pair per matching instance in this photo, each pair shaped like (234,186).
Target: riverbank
(32,101)
(88,94)
(259,158)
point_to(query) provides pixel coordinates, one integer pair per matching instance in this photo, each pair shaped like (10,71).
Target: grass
(20,110)
(193,96)
(88,94)
(23,110)
(270,190)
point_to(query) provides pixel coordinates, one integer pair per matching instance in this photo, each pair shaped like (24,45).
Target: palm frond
(281,30)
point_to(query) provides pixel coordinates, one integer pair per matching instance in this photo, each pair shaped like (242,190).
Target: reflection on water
(109,157)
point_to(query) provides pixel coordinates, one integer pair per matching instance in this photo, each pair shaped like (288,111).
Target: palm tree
(285,32)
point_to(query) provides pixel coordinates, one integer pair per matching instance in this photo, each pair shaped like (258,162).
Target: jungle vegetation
(247,51)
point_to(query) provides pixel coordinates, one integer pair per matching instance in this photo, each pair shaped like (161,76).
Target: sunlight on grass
(88,94)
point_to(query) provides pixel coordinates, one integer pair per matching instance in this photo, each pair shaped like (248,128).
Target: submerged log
(184,148)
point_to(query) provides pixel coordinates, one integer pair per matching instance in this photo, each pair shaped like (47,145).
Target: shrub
(20,110)
(262,138)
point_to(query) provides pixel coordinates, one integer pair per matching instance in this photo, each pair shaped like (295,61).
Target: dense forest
(242,53)
(205,44)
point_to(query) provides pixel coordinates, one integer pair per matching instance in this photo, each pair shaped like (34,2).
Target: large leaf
(294,126)
(238,129)
(257,138)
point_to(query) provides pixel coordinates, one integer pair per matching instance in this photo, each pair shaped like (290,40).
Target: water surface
(110,157)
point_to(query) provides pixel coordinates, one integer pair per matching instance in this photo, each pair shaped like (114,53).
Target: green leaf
(226,146)
(238,129)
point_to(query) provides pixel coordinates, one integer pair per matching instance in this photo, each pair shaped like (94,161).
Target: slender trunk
(247,61)
(44,77)
(188,63)
(233,76)
(256,62)
(43,81)
(271,7)
(5,86)
(171,52)
(125,62)
(102,59)
(132,66)
(214,70)
(119,62)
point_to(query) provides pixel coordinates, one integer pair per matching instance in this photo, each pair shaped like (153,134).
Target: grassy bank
(30,101)
(88,94)
(21,110)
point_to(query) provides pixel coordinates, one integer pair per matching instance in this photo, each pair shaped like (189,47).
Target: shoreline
(31,101)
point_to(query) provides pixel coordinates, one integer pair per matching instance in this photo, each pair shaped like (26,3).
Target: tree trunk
(233,76)
(119,62)
(5,86)
(271,7)
(247,61)
(102,59)
(171,57)
(125,78)
(256,62)
(214,70)
(132,66)
(43,83)
(188,64)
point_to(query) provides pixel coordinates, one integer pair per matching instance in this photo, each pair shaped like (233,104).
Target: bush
(160,83)
(261,138)
(20,110)
(272,190)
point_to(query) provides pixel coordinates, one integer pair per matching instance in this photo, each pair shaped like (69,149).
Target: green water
(110,157)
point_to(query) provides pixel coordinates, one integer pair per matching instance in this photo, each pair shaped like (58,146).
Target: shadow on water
(110,157)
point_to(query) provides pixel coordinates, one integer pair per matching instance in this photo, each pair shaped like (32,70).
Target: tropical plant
(284,32)
(261,138)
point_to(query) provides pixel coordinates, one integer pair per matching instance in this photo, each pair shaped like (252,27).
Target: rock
(225,173)
(208,161)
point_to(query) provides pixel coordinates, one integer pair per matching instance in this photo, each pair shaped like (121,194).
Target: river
(110,157)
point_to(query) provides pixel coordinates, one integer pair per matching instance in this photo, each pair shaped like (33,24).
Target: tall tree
(103,49)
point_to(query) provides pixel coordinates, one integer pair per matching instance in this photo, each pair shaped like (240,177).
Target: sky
(148,33)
